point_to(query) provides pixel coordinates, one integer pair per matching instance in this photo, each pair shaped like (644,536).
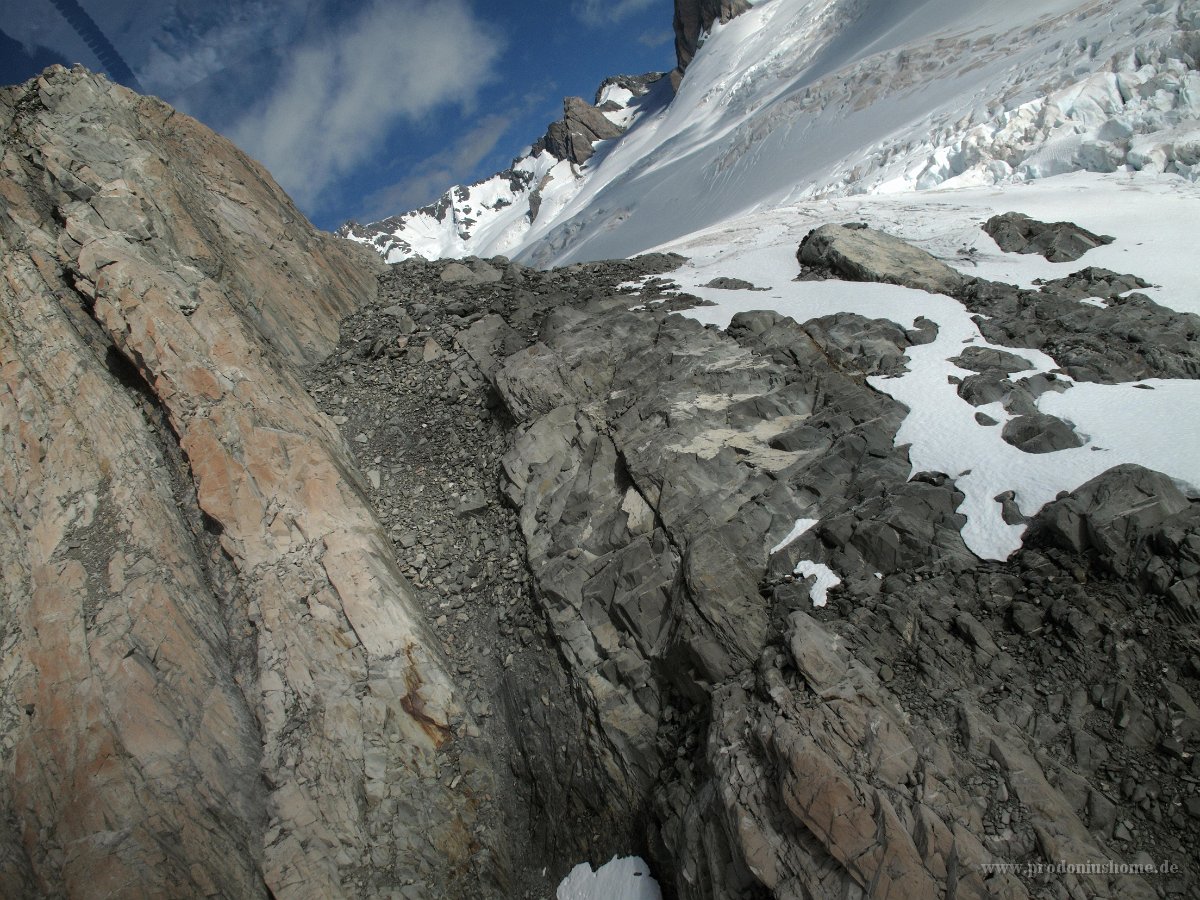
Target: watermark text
(1090,867)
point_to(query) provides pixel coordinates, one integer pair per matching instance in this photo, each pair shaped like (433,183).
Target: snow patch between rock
(802,526)
(618,879)
(824,580)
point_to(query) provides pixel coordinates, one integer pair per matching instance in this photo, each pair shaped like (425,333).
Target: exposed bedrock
(939,716)
(1120,335)
(215,681)
(695,17)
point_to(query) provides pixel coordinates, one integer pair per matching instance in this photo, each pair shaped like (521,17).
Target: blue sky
(360,110)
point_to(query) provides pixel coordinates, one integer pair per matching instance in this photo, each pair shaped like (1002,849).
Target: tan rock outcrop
(216,681)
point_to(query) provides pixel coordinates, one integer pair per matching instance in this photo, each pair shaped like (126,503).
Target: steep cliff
(214,677)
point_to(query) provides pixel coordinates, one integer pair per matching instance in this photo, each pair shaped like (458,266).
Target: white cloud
(431,177)
(656,38)
(337,99)
(177,58)
(601,12)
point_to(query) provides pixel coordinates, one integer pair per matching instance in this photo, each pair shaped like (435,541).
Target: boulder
(1056,241)
(859,253)
(1111,516)
(1038,432)
(988,359)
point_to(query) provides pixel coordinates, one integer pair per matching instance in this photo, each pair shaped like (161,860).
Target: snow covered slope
(1155,422)
(802,99)
(923,118)
(496,215)
(817,98)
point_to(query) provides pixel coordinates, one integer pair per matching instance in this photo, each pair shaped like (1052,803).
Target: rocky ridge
(432,585)
(515,196)
(938,717)
(216,680)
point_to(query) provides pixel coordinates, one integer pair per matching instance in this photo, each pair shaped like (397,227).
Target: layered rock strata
(215,677)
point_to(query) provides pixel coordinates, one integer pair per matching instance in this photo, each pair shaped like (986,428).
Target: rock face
(693,18)
(1056,241)
(572,136)
(215,678)
(939,716)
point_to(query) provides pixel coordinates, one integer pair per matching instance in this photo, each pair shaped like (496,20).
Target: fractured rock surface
(940,715)
(1056,241)
(216,679)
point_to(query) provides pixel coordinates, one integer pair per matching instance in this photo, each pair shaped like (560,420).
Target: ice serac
(214,679)
(693,18)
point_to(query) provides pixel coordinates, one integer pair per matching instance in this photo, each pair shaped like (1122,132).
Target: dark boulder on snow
(723,283)
(856,253)
(1016,232)
(988,360)
(1038,432)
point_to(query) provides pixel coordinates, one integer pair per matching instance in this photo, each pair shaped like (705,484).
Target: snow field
(1156,425)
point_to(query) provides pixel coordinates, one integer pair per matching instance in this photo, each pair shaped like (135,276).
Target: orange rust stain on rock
(413,704)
